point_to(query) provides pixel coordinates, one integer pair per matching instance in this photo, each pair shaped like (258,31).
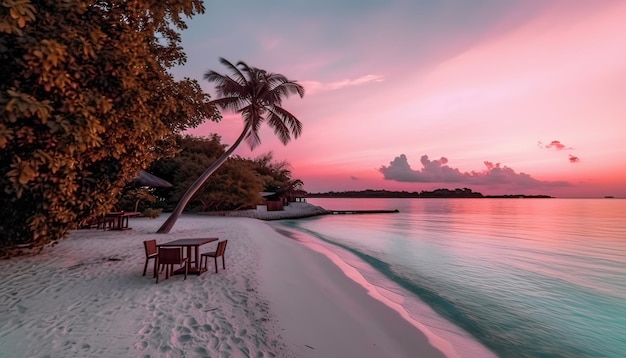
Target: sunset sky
(503,97)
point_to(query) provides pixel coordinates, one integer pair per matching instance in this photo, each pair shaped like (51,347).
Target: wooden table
(120,219)
(189,244)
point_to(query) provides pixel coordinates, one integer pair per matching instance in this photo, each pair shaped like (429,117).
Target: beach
(86,297)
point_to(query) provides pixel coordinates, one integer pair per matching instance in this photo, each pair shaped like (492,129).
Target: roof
(146,179)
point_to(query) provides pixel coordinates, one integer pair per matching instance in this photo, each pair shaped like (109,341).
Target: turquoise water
(522,277)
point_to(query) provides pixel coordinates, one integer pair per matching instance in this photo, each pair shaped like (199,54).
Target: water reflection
(548,271)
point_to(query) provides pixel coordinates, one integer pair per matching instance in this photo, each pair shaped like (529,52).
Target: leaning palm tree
(257,95)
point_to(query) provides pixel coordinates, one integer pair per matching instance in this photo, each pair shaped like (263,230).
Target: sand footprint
(202,352)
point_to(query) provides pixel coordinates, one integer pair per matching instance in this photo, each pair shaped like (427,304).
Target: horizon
(503,97)
(452,189)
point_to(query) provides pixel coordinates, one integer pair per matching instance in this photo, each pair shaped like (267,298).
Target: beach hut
(272,201)
(297,196)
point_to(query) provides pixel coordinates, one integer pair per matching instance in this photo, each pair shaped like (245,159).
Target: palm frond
(284,90)
(253,139)
(276,79)
(295,126)
(233,104)
(244,67)
(285,124)
(252,118)
(238,76)
(225,86)
(292,87)
(280,128)
(257,95)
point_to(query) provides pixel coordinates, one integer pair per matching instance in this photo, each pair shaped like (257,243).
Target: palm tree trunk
(182,203)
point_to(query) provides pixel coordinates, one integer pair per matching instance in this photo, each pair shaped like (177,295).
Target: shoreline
(391,331)
(86,297)
(297,210)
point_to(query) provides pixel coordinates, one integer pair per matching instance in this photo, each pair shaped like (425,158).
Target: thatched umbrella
(146,179)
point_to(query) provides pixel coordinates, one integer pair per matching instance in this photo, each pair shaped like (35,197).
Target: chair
(170,256)
(151,253)
(221,247)
(104,222)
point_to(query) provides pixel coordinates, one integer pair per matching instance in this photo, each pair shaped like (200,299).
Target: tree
(278,177)
(132,197)
(234,185)
(277,173)
(257,95)
(85,103)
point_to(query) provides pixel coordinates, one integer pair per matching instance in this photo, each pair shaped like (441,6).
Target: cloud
(437,171)
(352,177)
(434,171)
(315,86)
(555,144)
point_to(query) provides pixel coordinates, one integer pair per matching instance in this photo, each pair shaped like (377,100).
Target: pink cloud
(555,144)
(436,171)
(313,87)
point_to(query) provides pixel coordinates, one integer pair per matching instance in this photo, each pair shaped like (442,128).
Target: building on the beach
(274,201)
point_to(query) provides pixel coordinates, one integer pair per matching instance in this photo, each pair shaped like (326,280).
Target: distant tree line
(437,193)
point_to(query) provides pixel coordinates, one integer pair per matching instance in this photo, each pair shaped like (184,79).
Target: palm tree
(257,95)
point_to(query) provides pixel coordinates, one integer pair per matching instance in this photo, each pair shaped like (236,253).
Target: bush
(152,213)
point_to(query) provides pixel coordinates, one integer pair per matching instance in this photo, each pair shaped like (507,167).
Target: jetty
(342,212)
(292,211)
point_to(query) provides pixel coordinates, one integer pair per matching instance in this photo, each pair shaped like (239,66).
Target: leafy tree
(195,153)
(136,199)
(86,102)
(257,95)
(235,185)
(278,176)
(276,173)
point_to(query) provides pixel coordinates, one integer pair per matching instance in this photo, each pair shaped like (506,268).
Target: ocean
(493,277)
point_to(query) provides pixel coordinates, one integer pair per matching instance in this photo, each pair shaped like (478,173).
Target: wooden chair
(151,253)
(104,222)
(170,256)
(221,247)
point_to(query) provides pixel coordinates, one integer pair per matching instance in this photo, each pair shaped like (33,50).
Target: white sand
(86,297)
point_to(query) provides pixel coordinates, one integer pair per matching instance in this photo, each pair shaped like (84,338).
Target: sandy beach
(86,297)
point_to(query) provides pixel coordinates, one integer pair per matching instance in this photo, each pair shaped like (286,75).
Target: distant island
(437,193)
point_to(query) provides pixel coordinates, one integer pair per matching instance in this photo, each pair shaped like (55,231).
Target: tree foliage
(235,185)
(136,199)
(258,96)
(277,176)
(86,102)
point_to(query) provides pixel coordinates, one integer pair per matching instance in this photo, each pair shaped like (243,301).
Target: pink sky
(516,97)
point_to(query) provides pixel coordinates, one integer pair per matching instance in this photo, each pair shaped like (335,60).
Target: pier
(342,212)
